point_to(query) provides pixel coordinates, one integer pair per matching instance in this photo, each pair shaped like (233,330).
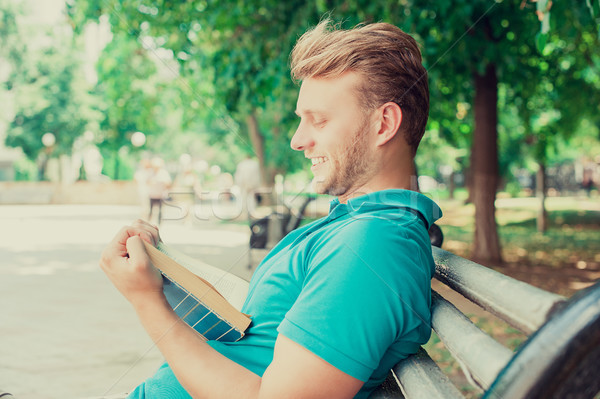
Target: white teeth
(318,160)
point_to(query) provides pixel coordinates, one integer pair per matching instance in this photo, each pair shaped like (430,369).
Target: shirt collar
(387,199)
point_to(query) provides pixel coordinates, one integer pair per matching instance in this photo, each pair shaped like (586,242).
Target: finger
(149,227)
(118,244)
(149,237)
(142,222)
(146,233)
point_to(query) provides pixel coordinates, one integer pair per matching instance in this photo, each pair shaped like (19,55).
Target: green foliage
(130,93)
(122,161)
(13,47)
(224,153)
(47,88)
(233,63)
(8,29)
(241,49)
(552,105)
(44,83)
(538,100)
(594,7)
(25,170)
(49,98)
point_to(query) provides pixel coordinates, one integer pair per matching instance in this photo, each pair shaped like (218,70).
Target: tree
(473,50)
(130,93)
(50,95)
(48,100)
(12,43)
(553,107)
(244,54)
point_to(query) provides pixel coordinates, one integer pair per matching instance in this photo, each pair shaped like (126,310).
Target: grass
(572,239)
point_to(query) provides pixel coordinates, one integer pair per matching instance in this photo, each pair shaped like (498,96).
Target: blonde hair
(388,59)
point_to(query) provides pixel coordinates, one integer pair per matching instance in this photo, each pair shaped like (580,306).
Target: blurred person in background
(158,184)
(186,188)
(141,176)
(247,179)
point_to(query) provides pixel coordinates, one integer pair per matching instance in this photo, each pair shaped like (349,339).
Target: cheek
(335,138)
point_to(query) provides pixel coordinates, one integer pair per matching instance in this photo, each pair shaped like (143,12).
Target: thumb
(138,257)
(135,249)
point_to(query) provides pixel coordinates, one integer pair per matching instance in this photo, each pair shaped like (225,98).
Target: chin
(321,187)
(317,187)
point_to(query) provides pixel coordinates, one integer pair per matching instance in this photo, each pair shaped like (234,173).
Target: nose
(301,139)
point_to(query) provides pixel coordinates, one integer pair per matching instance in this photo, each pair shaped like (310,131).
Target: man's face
(334,134)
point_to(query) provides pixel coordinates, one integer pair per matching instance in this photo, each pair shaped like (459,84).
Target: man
(337,302)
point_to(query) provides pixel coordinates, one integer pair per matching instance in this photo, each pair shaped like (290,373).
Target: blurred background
(182,112)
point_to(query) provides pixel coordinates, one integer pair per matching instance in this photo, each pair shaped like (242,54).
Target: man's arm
(295,372)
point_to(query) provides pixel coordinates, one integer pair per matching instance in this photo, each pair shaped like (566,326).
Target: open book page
(232,287)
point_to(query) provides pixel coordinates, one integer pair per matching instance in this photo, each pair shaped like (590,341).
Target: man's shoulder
(368,237)
(379,227)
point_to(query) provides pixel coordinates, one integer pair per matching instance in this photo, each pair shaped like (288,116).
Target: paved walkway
(65,330)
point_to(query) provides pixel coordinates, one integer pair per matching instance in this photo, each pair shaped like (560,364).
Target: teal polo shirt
(352,287)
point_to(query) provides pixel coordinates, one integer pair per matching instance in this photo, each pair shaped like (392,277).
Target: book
(205,297)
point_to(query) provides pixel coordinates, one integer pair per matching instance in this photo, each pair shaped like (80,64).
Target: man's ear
(390,115)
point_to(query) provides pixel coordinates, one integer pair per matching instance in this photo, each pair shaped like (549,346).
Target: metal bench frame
(560,359)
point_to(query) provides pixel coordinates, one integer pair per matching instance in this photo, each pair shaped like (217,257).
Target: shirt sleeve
(364,289)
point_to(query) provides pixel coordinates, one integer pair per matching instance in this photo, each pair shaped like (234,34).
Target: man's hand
(128,266)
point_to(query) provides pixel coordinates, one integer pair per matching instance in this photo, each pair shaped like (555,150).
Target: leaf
(594,7)
(540,41)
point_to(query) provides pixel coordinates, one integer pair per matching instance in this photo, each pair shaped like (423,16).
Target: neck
(398,173)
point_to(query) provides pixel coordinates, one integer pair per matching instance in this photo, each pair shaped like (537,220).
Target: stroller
(269,230)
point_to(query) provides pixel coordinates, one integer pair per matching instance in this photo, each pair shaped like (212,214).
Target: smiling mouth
(318,160)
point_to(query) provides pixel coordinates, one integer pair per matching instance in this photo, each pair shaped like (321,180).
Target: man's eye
(320,123)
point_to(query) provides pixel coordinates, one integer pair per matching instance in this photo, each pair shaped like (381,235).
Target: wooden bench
(560,358)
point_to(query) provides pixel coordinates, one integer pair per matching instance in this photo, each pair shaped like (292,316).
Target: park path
(66,332)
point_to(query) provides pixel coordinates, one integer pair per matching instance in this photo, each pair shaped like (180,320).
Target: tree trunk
(116,166)
(42,168)
(540,186)
(484,169)
(451,185)
(258,145)
(468,172)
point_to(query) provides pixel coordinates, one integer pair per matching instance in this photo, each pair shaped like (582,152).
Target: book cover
(196,300)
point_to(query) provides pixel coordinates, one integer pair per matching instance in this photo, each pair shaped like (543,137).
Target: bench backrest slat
(523,306)
(480,356)
(422,379)
(561,359)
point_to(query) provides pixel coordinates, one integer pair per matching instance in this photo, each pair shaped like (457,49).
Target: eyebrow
(309,112)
